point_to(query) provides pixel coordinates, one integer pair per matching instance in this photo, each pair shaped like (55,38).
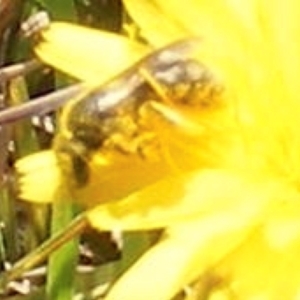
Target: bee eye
(73,157)
(80,170)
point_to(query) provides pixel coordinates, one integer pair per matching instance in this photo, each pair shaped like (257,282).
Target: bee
(121,119)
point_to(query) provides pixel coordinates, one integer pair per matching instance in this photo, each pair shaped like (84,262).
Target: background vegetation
(24,227)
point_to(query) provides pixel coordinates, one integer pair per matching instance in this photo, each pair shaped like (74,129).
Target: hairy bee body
(118,116)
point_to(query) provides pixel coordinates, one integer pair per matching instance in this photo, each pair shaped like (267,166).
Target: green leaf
(63,262)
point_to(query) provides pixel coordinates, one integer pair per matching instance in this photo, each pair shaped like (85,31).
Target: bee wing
(170,54)
(160,64)
(161,59)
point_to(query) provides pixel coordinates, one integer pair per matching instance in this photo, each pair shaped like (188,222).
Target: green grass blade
(63,262)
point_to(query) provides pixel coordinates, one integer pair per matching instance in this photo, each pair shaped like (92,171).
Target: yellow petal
(260,270)
(87,54)
(177,199)
(39,177)
(156,26)
(281,31)
(265,265)
(232,245)
(183,254)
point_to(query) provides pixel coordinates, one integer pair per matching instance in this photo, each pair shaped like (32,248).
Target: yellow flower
(232,218)
(251,246)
